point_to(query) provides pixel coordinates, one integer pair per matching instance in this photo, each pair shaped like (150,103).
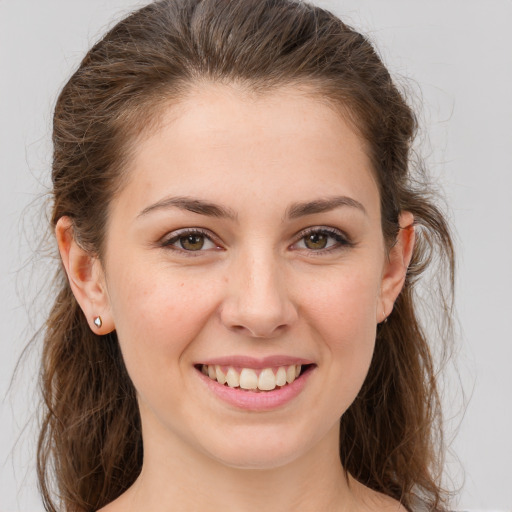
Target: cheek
(344,304)
(157,316)
(342,313)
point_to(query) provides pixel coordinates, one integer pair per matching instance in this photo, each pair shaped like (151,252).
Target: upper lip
(255,362)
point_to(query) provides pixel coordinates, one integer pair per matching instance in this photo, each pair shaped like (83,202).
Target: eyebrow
(322,205)
(192,205)
(294,211)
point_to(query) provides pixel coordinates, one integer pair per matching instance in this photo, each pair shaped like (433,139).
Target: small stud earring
(97,322)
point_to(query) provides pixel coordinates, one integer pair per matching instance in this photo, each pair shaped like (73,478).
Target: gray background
(458,57)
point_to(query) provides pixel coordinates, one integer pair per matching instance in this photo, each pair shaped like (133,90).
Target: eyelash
(183,233)
(341,240)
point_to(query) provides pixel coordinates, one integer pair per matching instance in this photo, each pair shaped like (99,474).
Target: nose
(258,303)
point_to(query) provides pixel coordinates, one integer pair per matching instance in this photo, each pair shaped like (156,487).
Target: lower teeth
(257,390)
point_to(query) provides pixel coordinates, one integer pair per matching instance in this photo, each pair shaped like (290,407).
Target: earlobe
(86,278)
(395,269)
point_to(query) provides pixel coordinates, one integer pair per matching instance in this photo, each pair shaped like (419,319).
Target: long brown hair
(90,445)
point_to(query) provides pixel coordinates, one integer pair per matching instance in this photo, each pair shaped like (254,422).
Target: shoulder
(373,501)
(120,504)
(383,503)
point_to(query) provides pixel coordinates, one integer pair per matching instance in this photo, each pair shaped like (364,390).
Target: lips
(255,363)
(257,384)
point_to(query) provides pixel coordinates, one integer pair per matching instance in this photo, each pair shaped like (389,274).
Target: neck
(179,478)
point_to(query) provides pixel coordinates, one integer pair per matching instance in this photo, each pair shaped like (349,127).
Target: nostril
(259,331)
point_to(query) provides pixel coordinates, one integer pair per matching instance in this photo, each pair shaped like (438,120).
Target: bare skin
(291,261)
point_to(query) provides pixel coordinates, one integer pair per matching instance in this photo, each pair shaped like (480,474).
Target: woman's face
(247,241)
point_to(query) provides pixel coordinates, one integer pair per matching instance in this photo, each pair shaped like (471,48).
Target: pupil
(192,242)
(316,241)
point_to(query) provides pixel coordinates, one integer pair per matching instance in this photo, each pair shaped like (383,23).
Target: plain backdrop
(457,55)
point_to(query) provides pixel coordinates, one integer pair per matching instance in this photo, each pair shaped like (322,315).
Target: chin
(261,450)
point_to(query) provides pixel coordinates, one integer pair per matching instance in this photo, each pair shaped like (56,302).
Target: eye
(321,239)
(190,241)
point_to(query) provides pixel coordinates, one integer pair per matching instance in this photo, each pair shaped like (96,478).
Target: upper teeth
(247,378)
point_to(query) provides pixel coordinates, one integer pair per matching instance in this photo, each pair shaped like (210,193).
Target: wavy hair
(90,445)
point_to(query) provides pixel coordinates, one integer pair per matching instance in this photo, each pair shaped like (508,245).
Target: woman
(240,237)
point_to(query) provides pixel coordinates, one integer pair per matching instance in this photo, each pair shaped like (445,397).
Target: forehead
(222,138)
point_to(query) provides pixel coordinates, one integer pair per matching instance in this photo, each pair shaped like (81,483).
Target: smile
(265,379)
(253,384)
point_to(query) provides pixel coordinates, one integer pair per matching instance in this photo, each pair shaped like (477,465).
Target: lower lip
(257,401)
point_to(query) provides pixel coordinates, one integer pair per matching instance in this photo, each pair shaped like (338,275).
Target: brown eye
(192,242)
(316,240)
(322,240)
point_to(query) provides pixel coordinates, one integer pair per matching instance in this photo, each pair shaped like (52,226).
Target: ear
(395,268)
(86,278)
